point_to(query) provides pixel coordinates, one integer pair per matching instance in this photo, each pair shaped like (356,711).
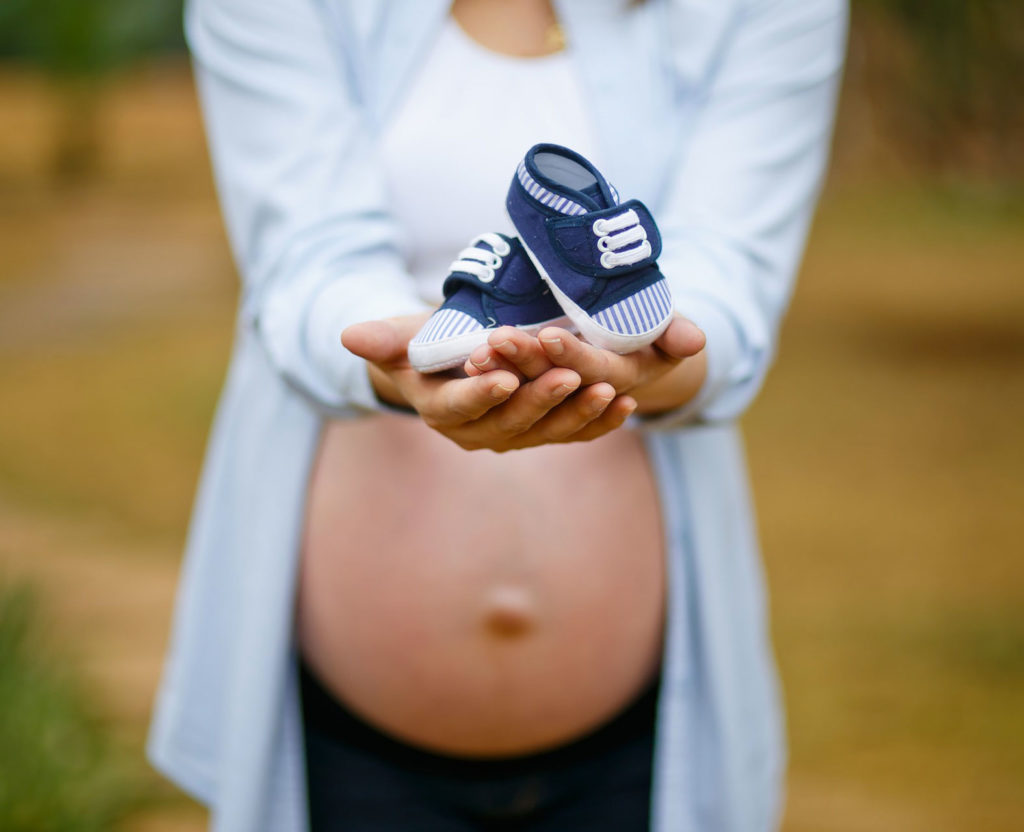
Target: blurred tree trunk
(76,148)
(79,43)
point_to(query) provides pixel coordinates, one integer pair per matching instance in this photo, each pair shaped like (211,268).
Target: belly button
(509,612)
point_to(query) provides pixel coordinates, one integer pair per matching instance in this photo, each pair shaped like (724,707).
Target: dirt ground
(886,453)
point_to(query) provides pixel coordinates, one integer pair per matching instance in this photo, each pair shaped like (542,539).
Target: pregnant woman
(384,624)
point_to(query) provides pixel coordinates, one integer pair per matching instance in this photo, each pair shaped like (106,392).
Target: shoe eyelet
(599,228)
(606,260)
(604,243)
(504,251)
(487,276)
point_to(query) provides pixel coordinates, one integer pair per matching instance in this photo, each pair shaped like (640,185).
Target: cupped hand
(495,409)
(512,350)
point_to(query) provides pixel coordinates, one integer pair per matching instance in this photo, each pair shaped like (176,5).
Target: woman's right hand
(493,410)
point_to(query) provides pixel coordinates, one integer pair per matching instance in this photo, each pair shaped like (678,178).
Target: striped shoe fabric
(560,203)
(639,313)
(597,253)
(446,323)
(492,283)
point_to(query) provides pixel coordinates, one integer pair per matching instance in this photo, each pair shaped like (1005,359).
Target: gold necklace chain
(554,38)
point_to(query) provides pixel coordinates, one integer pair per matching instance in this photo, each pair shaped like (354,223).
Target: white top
(448,169)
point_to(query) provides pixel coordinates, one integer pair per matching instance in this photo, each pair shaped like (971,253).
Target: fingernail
(500,391)
(555,345)
(564,390)
(507,347)
(600,404)
(483,362)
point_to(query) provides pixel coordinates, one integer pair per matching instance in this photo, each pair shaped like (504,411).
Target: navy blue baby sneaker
(492,283)
(597,255)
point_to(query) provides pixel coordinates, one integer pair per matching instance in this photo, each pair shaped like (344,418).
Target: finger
(531,403)
(613,418)
(593,364)
(454,402)
(571,417)
(682,339)
(520,349)
(382,342)
(484,359)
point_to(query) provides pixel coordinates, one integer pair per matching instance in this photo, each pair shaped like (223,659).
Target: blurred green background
(887,450)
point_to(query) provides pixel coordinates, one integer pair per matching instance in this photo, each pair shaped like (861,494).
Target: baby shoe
(597,255)
(492,283)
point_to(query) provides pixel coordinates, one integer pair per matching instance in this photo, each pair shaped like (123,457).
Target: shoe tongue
(600,195)
(519,277)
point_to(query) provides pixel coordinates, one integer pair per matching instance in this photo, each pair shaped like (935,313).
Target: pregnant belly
(475,603)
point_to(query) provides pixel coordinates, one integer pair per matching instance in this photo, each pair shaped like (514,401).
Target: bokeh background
(887,450)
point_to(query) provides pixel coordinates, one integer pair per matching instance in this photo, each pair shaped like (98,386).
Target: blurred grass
(59,770)
(886,449)
(886,453)
(113,428)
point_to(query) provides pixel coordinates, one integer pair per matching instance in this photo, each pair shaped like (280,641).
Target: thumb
(682,339)
(381,342)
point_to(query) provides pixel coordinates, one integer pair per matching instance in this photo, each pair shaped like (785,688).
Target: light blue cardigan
(716,113)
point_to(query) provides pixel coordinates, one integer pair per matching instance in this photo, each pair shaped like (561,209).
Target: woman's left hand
(663,375)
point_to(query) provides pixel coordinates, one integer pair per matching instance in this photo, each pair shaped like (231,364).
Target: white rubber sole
(453,352)
(590,329)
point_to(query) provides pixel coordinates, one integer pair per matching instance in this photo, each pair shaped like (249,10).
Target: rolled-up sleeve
(301,191)
(743,191)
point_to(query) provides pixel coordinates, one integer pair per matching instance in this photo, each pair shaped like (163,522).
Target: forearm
(304,199)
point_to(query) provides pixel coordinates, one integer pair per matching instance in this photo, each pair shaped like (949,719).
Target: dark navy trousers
(362,780)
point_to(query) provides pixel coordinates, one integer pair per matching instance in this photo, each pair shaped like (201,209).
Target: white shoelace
(627,224)
(480,262)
